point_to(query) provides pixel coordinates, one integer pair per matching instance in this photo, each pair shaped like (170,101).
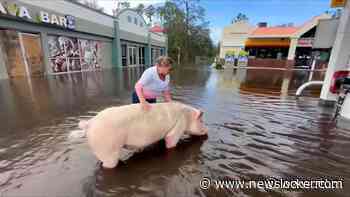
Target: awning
(255,42)
(157,29)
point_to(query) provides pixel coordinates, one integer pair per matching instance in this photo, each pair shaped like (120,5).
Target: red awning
(157,29)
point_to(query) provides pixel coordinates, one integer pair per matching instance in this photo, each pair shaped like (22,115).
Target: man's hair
(164,60)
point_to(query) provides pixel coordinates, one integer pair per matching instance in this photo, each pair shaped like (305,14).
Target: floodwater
(257,129)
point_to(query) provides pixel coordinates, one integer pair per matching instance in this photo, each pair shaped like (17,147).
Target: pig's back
(128,115)
(142,128)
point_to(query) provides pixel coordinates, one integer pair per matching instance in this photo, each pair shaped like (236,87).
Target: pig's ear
(198,114)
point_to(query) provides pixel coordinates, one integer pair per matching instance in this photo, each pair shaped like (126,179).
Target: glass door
(124,56)
(142,55)
(132,56)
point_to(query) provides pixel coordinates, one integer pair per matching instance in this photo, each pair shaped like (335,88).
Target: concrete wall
(158,43)
(271,63)
(325,33)
(137,32)
(125,35)
(106,54)
(340,57)
(140,28)
(233,37)
(3,69)
(158,39)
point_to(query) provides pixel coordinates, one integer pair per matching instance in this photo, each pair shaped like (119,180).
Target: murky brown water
(257,129)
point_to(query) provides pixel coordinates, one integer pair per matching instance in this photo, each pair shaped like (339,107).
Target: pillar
(45,48)
(292,48)
(291,52)
(340,55)
(166,46)
(116,48)
(3,68)
(148,50)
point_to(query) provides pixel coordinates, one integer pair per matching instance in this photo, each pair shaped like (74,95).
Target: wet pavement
(257,129)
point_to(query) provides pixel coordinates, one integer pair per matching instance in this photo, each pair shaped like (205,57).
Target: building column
(340,55)
(3,68)
(45,48)
(291,52)
(166,46)
(292,48)
(148,50)
(116,48)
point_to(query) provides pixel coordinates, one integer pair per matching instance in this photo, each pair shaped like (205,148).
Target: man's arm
(145,78)
(139,92)
(167,96)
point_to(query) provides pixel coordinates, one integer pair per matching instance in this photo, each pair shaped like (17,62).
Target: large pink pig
(130,126)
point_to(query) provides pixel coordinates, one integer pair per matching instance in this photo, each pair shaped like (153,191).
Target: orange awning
(255,42)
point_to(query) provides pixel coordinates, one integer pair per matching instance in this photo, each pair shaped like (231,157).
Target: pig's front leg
(173,137)
(111,161)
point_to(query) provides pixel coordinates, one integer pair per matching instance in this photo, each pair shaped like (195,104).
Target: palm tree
(240,17)
(149,12)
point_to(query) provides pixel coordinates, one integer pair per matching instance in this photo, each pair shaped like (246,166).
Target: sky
(221,12)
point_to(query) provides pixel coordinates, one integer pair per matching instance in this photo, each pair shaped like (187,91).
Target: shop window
(129,19)
(68,54)
(135,21)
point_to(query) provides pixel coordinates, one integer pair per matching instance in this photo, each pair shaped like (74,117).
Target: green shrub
(230,53)
(218,66)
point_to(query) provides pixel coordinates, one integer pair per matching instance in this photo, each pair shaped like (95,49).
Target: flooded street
(256,129)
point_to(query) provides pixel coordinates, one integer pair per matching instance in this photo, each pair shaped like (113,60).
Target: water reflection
(257,129)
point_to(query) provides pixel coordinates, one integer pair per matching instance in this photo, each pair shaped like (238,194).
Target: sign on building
(23,12)
(338,3)
(305,42)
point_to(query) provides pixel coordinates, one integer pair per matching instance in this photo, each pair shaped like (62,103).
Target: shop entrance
(32,53)
(23,53)
(303,57)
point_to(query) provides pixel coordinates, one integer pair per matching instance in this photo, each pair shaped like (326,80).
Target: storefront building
(285,47)
(53,37)
(234,36)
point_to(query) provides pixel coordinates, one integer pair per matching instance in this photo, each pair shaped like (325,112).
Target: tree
(188,31)
(140,8)
(240,17)
(149,12)
(230,53)
(123,5)
(120,5)
(93,4)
